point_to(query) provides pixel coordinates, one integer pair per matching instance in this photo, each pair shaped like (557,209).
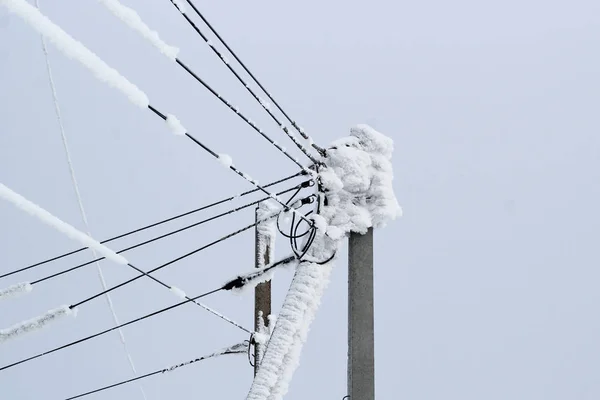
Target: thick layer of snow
(319,279)
(175,125)
(225,160)
(74,49)
(49,219)
(134,21)
(35,323)
(289,333)
(15,290)
(357,179)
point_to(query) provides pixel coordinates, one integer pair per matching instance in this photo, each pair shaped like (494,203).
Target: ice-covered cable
(294,318)
(36,323)
(182,9)
(130,17)
(161,222)
(240,114)
(15,290)
(49,219)
(178,4)
(252,279)
(312,298)
(168,263)
(104,332)
(82,212)
(74,49)
(163,236)
(241,348)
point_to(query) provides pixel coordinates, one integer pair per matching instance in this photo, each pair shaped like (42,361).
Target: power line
(230,166)
(95,335)
(242,116)
(241,80)
(121,12)
(151,225)
(174,260)
(71,269)
(299,129)
(237,349)
(183,295)
(170,287)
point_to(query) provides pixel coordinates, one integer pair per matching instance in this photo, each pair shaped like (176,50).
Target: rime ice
(74,49)
(358,180)
(35,323)
(49,219)
(131,18)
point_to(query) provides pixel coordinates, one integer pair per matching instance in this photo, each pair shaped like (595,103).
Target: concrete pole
(262,293)
(361,333)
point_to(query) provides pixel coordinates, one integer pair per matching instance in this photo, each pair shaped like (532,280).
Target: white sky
(487,288)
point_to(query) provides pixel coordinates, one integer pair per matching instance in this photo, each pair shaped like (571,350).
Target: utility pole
(361,333)
(262,292)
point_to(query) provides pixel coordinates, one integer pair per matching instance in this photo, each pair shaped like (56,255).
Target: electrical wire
(171,233)
(151,225)
(237,349)
(262,103)
(82,212)
(208,24)
(95,335)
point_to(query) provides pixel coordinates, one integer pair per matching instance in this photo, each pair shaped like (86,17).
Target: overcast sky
(487,288)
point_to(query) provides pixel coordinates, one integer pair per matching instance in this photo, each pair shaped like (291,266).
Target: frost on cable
(249,281)
(357,181)
(175,125)
(74,49)
(131,18)
(49,219)
(15,290)
(35,323)
(178,292)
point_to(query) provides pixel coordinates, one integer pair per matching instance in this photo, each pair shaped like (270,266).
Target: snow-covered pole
(264,255)
(361,333)
(356,182)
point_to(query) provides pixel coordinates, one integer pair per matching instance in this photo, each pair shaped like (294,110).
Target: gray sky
(486,288)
